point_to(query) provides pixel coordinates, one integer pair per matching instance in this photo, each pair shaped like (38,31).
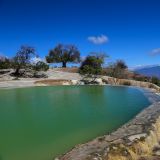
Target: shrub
(155,80)
(41,66)
(92,65)
(5,63)
(141,78)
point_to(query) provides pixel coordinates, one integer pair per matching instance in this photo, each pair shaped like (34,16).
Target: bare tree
(22,58)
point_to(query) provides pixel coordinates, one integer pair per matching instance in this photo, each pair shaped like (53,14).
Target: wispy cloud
(98,39)
(155,52)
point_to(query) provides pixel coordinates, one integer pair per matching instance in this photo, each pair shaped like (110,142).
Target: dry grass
(70,70)
(52,82)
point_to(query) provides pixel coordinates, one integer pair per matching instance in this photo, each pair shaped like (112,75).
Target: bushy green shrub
(5,63)
(92,65)
(41,66)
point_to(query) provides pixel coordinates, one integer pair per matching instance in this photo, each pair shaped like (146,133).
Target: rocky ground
(9,81)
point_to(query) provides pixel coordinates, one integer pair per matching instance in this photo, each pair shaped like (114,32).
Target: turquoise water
(41,122)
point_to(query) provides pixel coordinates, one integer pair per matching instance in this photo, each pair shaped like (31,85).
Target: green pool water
(40,123)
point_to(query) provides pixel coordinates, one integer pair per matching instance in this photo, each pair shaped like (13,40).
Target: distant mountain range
(149,71)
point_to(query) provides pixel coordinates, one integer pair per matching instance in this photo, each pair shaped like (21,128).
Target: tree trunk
(64,64)
(17,72)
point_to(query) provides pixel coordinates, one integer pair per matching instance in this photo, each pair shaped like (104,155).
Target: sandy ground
(53,74)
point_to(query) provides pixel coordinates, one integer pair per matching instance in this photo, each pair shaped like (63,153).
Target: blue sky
(124,29)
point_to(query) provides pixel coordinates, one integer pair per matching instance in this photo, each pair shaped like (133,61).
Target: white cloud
(98,39)
(155,52)
(83,58)
(34,60)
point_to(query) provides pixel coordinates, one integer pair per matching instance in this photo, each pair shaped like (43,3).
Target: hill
(149,71)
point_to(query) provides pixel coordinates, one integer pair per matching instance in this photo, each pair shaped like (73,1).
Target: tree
(22,58)
(92,65)
(121,64)
(117,69)
(63,54)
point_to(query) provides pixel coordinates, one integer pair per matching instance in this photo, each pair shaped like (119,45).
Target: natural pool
(41,122)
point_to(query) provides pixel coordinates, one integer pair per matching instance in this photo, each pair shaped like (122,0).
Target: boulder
(99,81)
(40,75)
(74,82)
(96,81)
(77,82)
